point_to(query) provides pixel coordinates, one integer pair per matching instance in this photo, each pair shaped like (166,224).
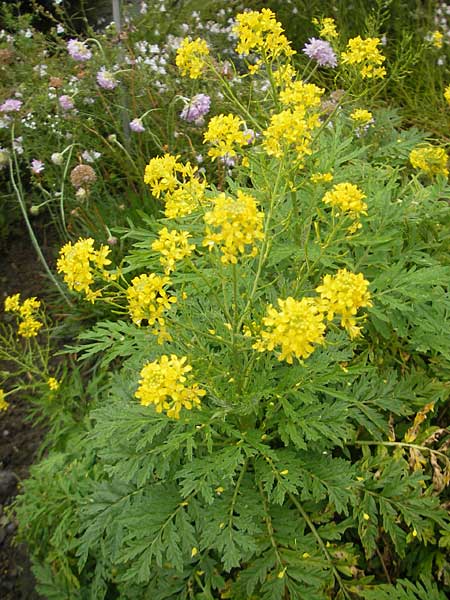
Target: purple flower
(66,102)
(137,126)
(320,51)
(105,79)
(37,166)
(10,105)
(196,109)
(78,50)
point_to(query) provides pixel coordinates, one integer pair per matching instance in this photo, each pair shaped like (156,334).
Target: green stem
(28,224)
(402,445)
(320,542)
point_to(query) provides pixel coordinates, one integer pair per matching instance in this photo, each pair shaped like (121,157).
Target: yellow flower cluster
(173,246)
(26,311)
(343,294)
(361,116)
(296,327)
(430,159)
(260,32)
(321,177)
(239,223)
(147,299)
(290,128)
(447,94)
(3,404)
(192,57)
(347,197)
(80,262)
(225,133)
(53,384)
(184,192)
(437,39)
(367,55)
(301,95)
(294,126)
(327,28)
(164,383)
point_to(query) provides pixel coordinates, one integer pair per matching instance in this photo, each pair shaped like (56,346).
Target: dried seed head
(6,56)
(82,175)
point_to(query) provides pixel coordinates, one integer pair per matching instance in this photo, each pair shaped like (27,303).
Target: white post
(117,18)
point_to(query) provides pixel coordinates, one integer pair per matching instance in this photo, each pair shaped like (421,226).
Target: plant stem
(34,241)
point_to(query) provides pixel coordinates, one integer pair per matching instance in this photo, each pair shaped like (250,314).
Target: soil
(20,271)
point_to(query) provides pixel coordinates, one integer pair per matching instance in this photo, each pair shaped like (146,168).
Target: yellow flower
(239,224)
(183,191)
(437,39)
(29,307)
(29,327)
(290,128)
(147,299)
(260,32)
(192,57)
(296,327)
(301,95)
(173,246)
(367,55)
(327,28)
(447,93)
(164,383)
(80,262)
(347,197)
(53,384)
(321,177)
(12,303)
(3,404)
(430,159)
(362,116)
(344,294)
(225,134)
(185,199)
(165,173)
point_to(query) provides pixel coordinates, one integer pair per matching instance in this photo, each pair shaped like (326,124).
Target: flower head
(10,105)
(347,197)
(78,50)
(447,94)
(430,159)
(106,79)
(37,166)
(235,225)
(196,109)
(327,28)
(191,57)
(344,294)
(260,32)
(173,246)
(137,126)
(362,116)
(320,51)
(148,299)
(29,325)
(226,134)
(296,327)
(80,263)
(53,384)
(82,175)
(164,383)
(66,102)
(366,55)
(3,404)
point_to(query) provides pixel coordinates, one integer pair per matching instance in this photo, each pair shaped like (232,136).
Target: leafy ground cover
(242,360)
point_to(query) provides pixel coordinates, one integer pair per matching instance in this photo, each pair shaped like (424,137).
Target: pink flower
(320,51)
(66,102)
(105,79)
(78,50)
(137,126)
(10,105)
(37,166)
